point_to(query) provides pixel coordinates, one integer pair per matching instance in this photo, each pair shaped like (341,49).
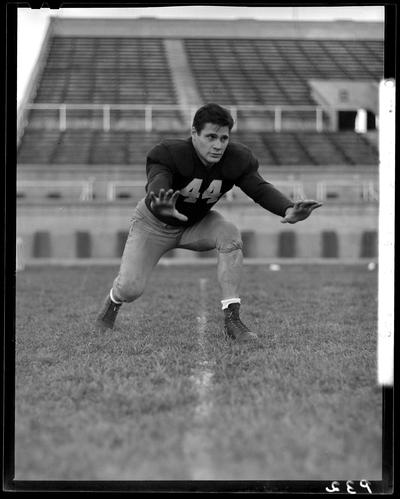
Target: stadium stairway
(184,81)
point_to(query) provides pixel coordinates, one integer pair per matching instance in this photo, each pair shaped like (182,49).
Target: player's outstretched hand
(300,211)
(164,204)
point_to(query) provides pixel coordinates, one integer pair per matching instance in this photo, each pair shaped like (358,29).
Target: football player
(185,178)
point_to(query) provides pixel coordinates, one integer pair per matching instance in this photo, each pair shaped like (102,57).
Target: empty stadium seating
(135,71)
(92,70)
(85,70)
(96,147)
(274,71)
(106,70)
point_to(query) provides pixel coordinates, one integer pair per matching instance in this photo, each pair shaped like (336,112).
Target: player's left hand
(301,210)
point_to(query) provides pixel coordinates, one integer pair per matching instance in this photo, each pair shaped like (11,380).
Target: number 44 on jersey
(191,192)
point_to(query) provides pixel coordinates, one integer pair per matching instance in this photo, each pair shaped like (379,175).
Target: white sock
(113,299)
(226,303)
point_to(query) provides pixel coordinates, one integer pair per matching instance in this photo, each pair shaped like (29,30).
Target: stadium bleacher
(96,147)
(277,71)
(88,70)
(235,72)
(111,70)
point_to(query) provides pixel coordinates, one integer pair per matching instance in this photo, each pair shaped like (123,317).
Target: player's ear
(194,131)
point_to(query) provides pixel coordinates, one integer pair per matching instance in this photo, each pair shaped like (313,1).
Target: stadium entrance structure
(100,98)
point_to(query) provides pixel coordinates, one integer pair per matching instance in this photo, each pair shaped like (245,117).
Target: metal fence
(277,118)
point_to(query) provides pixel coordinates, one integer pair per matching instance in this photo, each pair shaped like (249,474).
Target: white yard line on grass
(196,442)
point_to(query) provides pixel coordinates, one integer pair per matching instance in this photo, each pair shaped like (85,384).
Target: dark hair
(212,113)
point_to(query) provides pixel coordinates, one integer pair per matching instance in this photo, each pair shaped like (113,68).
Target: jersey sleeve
(262,192)
(159,169)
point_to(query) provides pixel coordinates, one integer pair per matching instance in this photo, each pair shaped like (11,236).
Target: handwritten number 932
(335,487)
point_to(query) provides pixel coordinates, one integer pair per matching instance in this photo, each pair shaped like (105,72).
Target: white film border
(387,113)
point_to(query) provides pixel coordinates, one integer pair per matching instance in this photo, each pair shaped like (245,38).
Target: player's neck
(204,162)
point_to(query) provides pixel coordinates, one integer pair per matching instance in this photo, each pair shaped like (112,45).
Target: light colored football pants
(149,239)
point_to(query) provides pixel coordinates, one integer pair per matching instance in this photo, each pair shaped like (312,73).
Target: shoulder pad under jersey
(181,153)
(237,160)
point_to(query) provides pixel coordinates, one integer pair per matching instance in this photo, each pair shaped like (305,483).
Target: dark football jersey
(174,164)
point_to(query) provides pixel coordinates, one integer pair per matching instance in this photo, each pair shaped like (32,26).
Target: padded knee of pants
(128,291)
(229,239)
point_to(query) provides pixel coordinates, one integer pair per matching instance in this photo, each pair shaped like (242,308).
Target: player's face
(211,142)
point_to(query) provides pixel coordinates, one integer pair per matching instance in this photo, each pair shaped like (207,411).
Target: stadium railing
(364,190)
(273,117)
(83,189)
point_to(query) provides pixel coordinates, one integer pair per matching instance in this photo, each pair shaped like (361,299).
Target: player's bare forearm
(300,211)
(163,204)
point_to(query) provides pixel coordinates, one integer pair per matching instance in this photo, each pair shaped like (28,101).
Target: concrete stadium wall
(200,28)
(96,230)
(308,177)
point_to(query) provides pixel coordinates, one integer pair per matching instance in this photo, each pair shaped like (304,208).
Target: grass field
(165,397)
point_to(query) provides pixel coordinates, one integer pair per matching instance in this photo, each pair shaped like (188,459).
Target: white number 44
(191,192)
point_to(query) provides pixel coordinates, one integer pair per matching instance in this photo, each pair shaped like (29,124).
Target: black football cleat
(234,327)
(107,315)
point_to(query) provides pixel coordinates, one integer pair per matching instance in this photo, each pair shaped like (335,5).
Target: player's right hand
(164,204)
